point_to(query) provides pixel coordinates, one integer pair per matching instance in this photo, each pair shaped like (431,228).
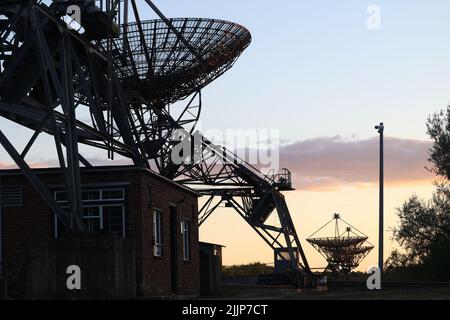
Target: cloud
(325,163)
(52,163)
(7,165)
(328,163)
(33,164)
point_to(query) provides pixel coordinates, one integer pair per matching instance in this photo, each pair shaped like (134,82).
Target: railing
(282,179)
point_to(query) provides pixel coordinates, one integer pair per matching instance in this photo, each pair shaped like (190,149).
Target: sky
(316,73)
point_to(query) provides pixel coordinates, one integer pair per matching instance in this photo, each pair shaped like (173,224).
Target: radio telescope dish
(344,251)
(153,63)
(114,87)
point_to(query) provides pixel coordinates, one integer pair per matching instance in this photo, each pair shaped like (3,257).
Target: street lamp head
(380,127)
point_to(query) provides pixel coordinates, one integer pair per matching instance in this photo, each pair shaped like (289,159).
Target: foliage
(424,234)
(252,269)
(424,230)
(438,128)
(422,223)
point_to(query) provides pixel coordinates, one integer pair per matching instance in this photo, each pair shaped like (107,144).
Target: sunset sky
(316,73)
(319,75)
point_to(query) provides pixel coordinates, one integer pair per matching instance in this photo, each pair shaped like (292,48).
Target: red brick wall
(157,270)
(21,226)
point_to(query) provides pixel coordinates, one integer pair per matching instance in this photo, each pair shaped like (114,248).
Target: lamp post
(380,129)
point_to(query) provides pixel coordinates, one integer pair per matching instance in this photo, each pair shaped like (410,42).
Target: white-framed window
(92,218)
(158,245)
(108,218)
(103,211)
(94,195)
(186,233)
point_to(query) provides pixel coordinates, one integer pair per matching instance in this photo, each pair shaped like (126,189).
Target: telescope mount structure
(110,81)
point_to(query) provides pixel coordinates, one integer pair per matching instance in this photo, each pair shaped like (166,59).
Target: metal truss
(128,83)
(46,67)
(228,180)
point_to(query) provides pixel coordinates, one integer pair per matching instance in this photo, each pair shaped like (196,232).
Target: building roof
(56,170)
(211,244)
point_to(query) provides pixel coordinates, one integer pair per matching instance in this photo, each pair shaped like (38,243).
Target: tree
(424,234)
(438,128)
(251,269)
(424,229)
(422,222)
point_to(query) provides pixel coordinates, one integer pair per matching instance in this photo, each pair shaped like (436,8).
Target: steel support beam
(35,181)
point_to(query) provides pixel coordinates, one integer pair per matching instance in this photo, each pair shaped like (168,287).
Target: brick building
(157,213)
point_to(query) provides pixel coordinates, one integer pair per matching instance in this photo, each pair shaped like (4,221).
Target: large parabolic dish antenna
(115,87)
(345,250)
(152,61)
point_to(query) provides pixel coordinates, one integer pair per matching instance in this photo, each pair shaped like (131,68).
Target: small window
(114,194)
(93,195)
(92,219)
(90,195)
(158,245)
(60,196)
(98,219)
(11,196)
(186,232)
(99,215)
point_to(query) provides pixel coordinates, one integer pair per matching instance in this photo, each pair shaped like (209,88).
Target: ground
(260,292)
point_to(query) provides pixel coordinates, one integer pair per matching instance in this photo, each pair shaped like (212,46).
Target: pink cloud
(6,165)
(329,162)
(38,164)
(52,163)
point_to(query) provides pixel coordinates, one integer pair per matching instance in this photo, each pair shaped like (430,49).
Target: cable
(322,227)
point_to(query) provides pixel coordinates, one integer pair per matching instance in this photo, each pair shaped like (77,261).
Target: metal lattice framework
(125,74)
(155,64)
(345,250)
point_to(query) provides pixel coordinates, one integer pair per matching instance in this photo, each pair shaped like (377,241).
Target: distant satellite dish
(343,251)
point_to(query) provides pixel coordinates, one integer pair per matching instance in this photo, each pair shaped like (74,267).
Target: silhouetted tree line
(251,269)
(424,229)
